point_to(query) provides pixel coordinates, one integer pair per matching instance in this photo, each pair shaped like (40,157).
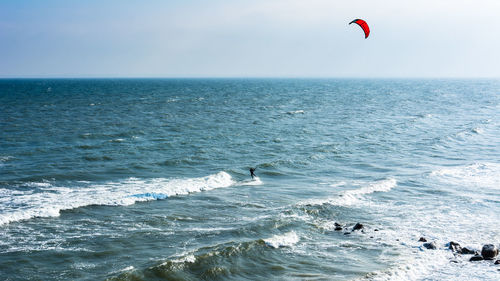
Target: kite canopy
(363,26)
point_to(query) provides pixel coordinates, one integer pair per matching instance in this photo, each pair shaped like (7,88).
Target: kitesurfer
(252,170)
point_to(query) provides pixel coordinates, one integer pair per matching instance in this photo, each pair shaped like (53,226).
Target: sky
(249,38)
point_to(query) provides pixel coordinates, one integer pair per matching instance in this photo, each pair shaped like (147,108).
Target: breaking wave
(352,196)
(48,200)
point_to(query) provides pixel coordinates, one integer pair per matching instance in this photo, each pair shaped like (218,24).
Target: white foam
(186,257)
(411,267)
(284,240)
(5,158)
(475,175)
(354,196)
(254,181)
(295,112)
(438,264)
(38,184)
(477,130)
(49,200)
(441,221)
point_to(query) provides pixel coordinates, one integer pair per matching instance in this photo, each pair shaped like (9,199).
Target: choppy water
(148,179)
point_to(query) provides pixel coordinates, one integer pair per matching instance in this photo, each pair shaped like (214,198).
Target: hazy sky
(249,38)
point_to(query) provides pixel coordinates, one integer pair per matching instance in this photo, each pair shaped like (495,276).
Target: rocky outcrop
(455,247)
(338,227)
(430,245)
(477,258)
(358,226)
(467,251)
(489,251)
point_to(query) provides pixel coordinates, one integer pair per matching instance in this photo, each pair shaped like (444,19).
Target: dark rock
(477,258)
(338,227)
(430,245)
(375,229)
(497,262)
(422,239)
(347,233)
(489,251)
(467,251)
(358,226)
(455,247)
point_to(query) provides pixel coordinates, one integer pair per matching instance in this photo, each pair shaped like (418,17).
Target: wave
(295,112)
(5,158)
(210,263)
(352,196)
(48,200)
(218,261)
(284,240)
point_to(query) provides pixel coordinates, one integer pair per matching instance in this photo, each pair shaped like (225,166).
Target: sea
(148,179)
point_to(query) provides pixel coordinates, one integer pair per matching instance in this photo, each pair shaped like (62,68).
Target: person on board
(252,170)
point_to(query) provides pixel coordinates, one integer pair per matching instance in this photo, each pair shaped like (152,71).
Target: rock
(376,229)
(422,239)
(338,227)
(455,247)
(477,258)
(497,262)
(347,233)
(489,251)
(467,251)
(430,245)
(358,226)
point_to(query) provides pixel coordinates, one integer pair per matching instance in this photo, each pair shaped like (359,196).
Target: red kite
(363,26)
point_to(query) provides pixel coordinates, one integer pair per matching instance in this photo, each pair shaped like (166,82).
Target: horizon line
(247,77)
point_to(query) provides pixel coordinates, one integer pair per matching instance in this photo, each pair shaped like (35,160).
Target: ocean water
(147,179)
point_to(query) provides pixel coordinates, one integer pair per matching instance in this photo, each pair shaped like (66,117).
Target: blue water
(147,179)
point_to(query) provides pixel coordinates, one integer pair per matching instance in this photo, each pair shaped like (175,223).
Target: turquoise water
(147,179)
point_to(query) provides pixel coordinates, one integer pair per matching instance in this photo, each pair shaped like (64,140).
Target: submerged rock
(477,258)
(455,247)
(358,226)
(467,251)
(489,251)
(422,239)
(430,245)
(497,262)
